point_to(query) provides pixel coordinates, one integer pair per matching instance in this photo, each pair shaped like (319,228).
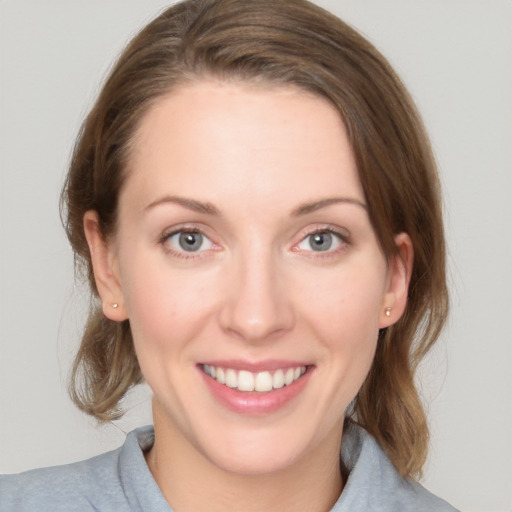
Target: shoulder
(69,487)
(375,485)
(96,484)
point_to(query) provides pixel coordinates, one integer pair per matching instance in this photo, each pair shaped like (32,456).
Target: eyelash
(343,239)
(165,238)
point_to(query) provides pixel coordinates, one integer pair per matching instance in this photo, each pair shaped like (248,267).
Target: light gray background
(455,56)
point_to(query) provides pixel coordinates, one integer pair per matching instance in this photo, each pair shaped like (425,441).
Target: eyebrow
(306,208)
(208,208)
(190,204)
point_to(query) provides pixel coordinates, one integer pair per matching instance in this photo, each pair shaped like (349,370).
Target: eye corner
(186,242)
(329,242)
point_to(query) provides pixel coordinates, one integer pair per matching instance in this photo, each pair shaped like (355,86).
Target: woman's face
(247,266)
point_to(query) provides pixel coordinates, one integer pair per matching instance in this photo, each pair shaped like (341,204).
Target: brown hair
(277,42)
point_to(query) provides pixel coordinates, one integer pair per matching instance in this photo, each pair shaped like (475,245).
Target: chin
(268,450)
(254,460)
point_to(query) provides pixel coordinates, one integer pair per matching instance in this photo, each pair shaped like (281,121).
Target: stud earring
(388,311)
(115,305)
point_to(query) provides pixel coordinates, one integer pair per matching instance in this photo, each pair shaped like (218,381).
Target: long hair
(288,42)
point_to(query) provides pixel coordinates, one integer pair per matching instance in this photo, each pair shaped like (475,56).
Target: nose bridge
(257,305)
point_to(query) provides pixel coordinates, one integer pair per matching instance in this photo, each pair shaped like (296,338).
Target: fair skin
(244,247)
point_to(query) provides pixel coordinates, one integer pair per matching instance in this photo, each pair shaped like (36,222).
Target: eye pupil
(320,241)
(190,241)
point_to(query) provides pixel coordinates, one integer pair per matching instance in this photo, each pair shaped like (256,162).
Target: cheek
(149,301)
(344,311)
(163,319)
(349,300)
(162,303)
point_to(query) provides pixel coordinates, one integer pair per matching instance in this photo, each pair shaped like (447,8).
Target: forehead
(244,140)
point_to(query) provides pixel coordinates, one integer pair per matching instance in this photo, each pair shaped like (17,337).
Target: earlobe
(400,269)
(104,267)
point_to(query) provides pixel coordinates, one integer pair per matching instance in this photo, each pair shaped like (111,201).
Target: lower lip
(253,402)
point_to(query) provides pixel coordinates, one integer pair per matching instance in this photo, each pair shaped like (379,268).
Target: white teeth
(231,379)
(245,381)
(278,379)
(210,370)
(221,376)
(261,382)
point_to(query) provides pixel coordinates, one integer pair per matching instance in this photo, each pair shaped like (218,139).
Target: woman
(255,203)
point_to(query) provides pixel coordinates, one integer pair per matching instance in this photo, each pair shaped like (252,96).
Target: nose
(257,303)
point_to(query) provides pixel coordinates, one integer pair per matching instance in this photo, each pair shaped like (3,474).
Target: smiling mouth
(261,382)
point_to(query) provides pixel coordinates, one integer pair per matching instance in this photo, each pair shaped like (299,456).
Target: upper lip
(255,366)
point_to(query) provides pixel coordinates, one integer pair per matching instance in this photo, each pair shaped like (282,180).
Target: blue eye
(189,241)
(321,241)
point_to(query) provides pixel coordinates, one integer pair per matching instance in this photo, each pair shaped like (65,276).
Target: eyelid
(204,240)
(342,234)
(167,234)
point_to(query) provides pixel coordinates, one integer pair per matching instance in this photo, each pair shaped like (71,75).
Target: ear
(105,268)
(399,275)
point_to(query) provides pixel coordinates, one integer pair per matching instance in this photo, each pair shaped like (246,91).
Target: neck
(191,482)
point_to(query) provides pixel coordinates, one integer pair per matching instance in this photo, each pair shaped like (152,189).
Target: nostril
(256,322)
